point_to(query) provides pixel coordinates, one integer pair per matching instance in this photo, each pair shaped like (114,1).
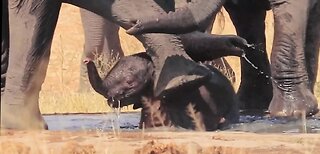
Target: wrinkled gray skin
(101,37)
(294,55)
(130,82)
(32,25)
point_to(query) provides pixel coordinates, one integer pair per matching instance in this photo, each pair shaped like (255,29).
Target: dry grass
(72,102)
(157,117)
(196,117)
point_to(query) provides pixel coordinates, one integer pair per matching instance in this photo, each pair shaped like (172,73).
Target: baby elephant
(208,107)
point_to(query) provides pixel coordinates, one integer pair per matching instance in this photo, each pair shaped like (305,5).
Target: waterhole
(130,122)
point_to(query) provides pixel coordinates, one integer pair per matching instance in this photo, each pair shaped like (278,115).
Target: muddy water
(103,122)
(130,122)
(263,124)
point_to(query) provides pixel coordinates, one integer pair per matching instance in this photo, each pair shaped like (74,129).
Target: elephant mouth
(131,97)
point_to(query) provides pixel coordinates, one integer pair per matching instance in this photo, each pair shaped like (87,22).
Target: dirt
(82,142)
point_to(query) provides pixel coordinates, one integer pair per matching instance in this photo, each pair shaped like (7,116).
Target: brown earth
(57,142)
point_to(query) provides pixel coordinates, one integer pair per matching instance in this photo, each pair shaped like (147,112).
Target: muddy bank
(83,142)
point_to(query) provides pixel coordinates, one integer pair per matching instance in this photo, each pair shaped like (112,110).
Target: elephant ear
(182,83)
(169,86)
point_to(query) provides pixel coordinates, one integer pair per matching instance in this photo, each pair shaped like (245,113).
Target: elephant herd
(167,81)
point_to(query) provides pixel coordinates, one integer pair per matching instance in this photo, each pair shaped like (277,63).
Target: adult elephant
(101,37)
(294,55)
(29,53)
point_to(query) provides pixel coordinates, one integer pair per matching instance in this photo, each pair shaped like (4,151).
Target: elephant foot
(294,103)
(18,118)
(254,96)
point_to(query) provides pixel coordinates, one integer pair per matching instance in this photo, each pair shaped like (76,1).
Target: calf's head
(127,81)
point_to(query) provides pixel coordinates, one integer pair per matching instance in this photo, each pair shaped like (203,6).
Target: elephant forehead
(130,68)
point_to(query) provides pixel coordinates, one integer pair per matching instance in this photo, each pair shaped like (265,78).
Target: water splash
(304,122)
(116,121)
(253,47)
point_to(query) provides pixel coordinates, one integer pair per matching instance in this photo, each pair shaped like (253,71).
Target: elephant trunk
(196,15)
(95,80)
(206,47)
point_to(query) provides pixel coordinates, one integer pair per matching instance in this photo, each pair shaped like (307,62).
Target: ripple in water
(265,124)
(130,122)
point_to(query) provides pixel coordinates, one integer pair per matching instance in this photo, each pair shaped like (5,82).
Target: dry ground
(157,143)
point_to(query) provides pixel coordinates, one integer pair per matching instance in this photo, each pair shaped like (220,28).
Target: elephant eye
(130,82)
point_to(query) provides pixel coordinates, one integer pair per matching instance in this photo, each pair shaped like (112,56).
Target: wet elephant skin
(213,104)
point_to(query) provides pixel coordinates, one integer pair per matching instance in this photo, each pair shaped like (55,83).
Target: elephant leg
(31,32)
(4,44)
(112,40)
(255,91)
(291,93)
(313,44)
